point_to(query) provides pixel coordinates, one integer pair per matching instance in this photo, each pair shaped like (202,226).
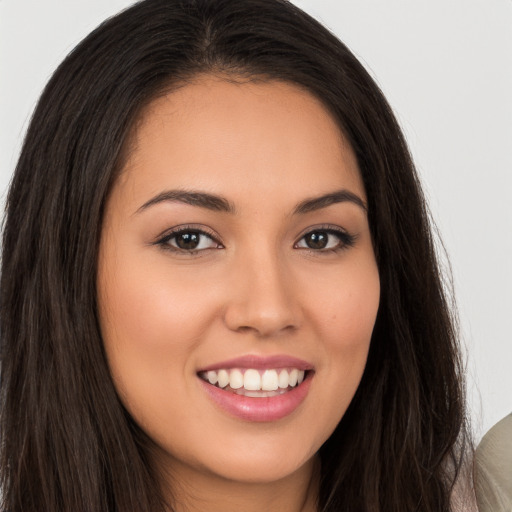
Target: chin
(261,470)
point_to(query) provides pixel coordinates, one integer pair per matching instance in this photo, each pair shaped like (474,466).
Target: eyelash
(165,240)
(346,240)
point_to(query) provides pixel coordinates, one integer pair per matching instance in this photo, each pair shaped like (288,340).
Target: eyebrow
(340,196)
(220,204)
(201,199)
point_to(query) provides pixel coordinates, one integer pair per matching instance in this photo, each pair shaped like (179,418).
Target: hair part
(67,443)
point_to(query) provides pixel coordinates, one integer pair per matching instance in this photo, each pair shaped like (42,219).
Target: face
(237,281)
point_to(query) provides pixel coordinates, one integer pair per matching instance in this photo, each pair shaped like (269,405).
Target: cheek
(345,318)
(153,309)
(149,330)
(153,318)
(147,326)
(346,307)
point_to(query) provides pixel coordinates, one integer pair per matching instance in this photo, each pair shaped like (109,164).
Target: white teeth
(252,394)
(259,394)
(269,380)
(252,380)
(283,379)
(223,378)
(236,379)
(264,382)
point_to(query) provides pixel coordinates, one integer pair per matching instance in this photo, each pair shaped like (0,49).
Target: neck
(196,491)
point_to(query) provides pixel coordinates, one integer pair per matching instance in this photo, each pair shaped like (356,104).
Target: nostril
(247,319)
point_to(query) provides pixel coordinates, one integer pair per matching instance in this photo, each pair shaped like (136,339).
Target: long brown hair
(67,443)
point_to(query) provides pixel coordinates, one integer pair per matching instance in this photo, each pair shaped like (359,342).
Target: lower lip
(259,409)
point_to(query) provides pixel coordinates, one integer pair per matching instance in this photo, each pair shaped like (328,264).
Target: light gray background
(446,68)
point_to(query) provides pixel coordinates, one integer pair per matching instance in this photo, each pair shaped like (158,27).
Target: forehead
(232,137)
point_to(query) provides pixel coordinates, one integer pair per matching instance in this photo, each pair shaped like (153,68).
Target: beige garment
(493,468)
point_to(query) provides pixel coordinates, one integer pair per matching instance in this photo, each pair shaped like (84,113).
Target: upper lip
(260,363)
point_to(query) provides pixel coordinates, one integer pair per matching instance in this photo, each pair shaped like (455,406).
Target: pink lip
(259,409)
(263,409)
(260,363)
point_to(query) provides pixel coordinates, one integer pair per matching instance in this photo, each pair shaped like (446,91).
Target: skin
(256,288)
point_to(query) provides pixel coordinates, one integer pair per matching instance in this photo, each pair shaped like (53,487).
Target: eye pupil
(317,239)
(187,241)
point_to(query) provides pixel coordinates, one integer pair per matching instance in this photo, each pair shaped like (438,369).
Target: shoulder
(493,468)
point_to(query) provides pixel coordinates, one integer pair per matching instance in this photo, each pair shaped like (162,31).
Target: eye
(188,240)
(325,239)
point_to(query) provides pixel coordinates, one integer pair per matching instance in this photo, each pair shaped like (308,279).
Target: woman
(219,286)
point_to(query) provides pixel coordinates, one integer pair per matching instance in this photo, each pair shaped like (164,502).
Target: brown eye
(188,240)
(317,239)
(325,240)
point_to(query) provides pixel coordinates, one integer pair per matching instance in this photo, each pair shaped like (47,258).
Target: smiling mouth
(255,383)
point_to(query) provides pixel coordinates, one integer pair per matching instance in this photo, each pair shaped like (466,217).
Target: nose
(262,297)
